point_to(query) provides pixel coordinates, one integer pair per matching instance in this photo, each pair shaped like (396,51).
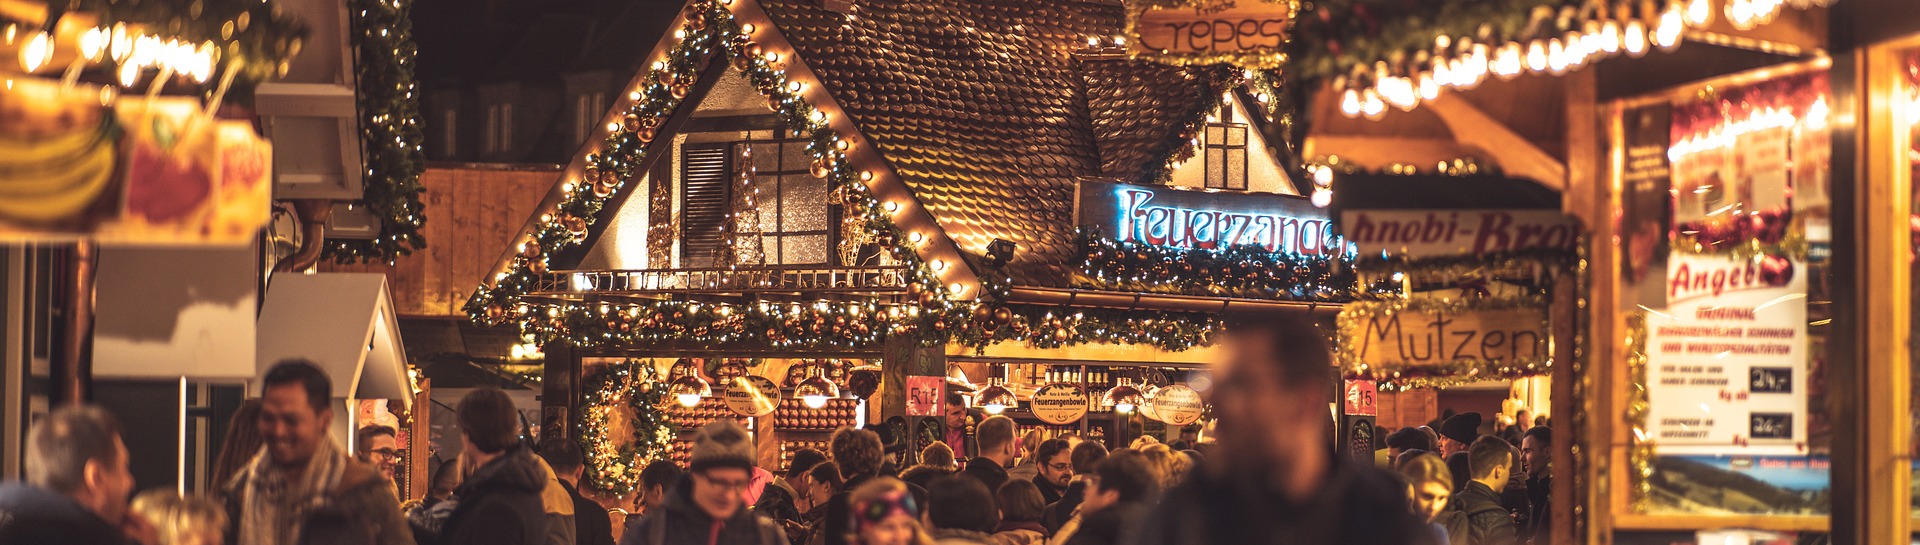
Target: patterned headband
(873,511)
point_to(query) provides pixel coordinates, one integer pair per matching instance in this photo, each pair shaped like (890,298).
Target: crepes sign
(1248,33)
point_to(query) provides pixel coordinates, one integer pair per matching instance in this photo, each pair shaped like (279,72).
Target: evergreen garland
(1243,271)
(613,464)
(389,107)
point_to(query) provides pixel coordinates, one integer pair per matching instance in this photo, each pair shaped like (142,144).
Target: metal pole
(72,371)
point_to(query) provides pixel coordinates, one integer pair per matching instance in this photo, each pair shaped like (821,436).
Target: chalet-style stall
(992,194)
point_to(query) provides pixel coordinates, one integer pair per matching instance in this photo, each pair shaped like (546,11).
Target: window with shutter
(705,176)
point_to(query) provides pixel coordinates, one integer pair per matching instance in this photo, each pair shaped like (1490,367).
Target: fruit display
(58,155)
(692,418)
(795,415)
(787,449)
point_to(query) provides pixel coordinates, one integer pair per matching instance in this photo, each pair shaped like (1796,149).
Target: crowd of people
(1272,471)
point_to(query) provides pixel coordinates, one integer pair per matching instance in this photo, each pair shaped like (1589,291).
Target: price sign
(1060,403)
(924,396)
(752,395)
(1362,398)
(1178,405)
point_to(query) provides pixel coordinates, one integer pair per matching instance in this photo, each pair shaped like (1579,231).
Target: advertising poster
(1727,358)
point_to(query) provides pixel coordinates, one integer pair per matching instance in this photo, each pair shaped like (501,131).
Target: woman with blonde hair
(177,520)
(1429,487)
(884,512)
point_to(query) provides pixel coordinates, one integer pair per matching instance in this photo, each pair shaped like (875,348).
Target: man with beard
(1053,462)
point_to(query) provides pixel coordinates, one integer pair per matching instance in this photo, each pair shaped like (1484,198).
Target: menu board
(1727,359)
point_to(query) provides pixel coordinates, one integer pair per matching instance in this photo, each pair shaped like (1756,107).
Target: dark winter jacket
(1539,517)
(1357,504)
(1486,521)
(776,504)
(987,472)
(500,503)
(924,475)
(30,515)
(1049,493)
(838,511)
(1059,512)
(1110,526)
(682,522)
(591,525)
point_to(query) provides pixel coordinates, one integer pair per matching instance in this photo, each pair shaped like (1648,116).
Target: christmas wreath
(614,463)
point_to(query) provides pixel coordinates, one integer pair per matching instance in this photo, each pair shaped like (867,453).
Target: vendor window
(1225,150)
(786,205)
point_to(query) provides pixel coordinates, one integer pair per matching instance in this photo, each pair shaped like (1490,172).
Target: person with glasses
(1055,469)
(379,446)
(708,507)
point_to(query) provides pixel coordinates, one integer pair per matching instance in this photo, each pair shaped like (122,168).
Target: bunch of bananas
(46,180)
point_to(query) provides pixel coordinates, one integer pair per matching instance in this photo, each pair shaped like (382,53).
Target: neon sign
(1208,221)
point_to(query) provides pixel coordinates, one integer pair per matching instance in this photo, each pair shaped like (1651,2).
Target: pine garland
(1245,271)
(389,106)
(613,464)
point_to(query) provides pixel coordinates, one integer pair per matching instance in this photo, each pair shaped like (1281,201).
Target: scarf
(273,506)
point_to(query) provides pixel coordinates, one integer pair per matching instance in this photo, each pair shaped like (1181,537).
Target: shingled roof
(983,109)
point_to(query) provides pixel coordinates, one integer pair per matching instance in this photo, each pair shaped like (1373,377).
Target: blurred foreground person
(885,513)
(499,503)
(177,520)
(1117,497)
(299,468)
(77,484)
(1274,472)
(707,507)
(1021,506)
(960,511)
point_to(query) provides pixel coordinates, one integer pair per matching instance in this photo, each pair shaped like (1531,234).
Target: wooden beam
(1514,153)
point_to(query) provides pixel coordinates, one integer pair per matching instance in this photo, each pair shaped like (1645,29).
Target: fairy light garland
(1380,54)
(253,41)
(1406,377)
(709,32)
(1040,326)
(613,463)
(1238,271)
(389,107)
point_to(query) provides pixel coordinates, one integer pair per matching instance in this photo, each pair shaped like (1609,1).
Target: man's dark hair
(827,473)
(311,379)
(1302,359)
(954,400)
(1020,501)
(1126,472)
(803,460)
(63,442)
(364,436)
(857,451)
(561,454)
(1542,434)
(961,503)
(1486,453)
(993,433)
(660,473)
(488,419)
(446,478)
(1410,439)
(1049,449)
(1086,454)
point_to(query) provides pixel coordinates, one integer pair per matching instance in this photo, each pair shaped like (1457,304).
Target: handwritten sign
(1433,233)
(1178,405)
(925,396)
(1060,403)
(1249,33)
(752,395)
(1362,398)
(1391,335)
(1727,358)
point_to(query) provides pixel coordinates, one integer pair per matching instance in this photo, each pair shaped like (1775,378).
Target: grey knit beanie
(722,443)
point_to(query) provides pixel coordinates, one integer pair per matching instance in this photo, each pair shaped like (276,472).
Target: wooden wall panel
(472,211)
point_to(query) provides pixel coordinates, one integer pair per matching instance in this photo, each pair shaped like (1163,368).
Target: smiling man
(707,507)
(378,446)
(299,467)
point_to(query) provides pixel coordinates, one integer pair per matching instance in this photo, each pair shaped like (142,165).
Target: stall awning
(345,323)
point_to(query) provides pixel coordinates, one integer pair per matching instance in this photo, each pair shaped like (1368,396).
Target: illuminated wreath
(613,464)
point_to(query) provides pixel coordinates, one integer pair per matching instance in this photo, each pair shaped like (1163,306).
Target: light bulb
(1507,63)
(1350,103)
(814,401)
(1123,408)
(689,400)
(1699,12)
(1536,56)
(1635,38)
(994,408)
(1372,106)
(1429,87)
(37,52)
(1322,197)
(1667,33)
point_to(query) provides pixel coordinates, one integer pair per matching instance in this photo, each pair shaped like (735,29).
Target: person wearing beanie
(707,507)
(1458,432)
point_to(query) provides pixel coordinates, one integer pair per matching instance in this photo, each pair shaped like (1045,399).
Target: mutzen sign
(1248,33)
(1441,338)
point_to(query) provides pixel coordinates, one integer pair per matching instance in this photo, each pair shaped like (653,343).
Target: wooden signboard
(1248,33)
(1461,338)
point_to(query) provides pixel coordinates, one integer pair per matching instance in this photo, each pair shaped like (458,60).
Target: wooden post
(71,368)
(419,442)
(559,390)
(1578,447)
